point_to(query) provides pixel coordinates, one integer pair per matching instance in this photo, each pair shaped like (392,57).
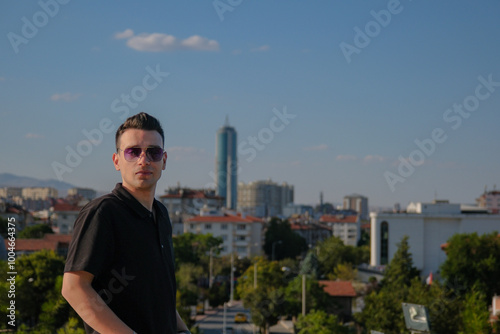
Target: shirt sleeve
(91,248)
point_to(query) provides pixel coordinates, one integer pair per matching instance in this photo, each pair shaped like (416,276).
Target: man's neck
(145,197)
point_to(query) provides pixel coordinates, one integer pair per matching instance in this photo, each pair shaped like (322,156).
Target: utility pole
(231,295)
(211,271)
(255,275)
(304,294)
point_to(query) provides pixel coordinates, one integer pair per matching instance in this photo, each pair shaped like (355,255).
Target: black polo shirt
(131,256)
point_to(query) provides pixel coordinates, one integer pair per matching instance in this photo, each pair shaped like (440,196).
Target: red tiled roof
(226,218)
(66,207)
(49,241)
(63,238)
(34,244)
(338,288)
(13,210)
(338,219)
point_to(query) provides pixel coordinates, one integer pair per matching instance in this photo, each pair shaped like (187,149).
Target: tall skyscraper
(226,165)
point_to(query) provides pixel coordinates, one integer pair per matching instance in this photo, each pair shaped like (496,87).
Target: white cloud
(33,136)
(199,43)
(158,42)
(261,48)
(373,158)
(237,52)
(321,147)
(346,158)
(68,97)
(2,78)
(127,33)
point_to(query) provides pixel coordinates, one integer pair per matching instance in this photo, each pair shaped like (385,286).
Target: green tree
(37,276)
(310,265)
(35,231)
(400,272)
(266,306)
(187,282)
(473,260)
(319,322)
(218,294)
(344,272)
(38,282)
(382,310)
(71,327)
(195,248)
(475,315)
(287,244)
(56,312)
(316,297)
(267,301)
(3,227)
(332,252)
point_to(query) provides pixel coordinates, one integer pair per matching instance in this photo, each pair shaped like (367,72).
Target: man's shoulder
(162,207)
(102,203)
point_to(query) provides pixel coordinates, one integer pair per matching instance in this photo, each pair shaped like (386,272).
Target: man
(119,274)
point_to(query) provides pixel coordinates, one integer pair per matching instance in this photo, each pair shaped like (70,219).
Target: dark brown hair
(140,121)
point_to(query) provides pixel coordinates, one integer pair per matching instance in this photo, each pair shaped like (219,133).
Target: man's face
(142,173)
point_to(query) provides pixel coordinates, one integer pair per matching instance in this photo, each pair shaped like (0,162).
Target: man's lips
(144,172)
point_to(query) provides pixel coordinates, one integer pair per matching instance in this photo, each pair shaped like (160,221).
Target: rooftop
(338,288)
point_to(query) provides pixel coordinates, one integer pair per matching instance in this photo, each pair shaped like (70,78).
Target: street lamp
(274,246)
(211,266)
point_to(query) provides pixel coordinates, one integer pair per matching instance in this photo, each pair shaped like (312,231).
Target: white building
(39,193)
(346,227)
(241,235)
(86,193)
(428,226)
(63,217)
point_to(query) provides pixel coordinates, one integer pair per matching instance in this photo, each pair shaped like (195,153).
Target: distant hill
(11,180)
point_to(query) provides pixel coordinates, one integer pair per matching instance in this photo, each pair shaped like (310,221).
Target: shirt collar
(133,203)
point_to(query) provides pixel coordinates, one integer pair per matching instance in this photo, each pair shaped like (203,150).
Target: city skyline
(394,100)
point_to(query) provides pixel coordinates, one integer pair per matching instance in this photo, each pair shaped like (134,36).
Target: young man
(119,274)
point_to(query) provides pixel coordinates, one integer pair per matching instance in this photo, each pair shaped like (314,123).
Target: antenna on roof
(226,123)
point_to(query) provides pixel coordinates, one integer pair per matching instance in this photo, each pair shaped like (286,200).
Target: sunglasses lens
(132,153)
(154,153)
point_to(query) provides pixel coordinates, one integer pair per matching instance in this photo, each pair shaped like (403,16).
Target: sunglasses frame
(145,150)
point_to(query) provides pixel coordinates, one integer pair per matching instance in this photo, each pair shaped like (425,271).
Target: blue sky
(360,81)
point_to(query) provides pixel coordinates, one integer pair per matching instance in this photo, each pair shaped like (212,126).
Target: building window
(241,227)
(241,250)
(191,226)
(224,237)
(208,226)
(240,238)
(223,227)
(384,243)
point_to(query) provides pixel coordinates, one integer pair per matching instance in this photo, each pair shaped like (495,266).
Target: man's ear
(164,161)
(116,161)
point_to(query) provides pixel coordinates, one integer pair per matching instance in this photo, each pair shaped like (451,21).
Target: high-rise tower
(226,164)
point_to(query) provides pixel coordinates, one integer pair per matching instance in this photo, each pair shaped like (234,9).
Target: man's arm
(78,291)
(181,326)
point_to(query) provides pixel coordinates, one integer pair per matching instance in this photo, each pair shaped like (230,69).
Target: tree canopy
(287,244)
(473,260)
(35,231)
